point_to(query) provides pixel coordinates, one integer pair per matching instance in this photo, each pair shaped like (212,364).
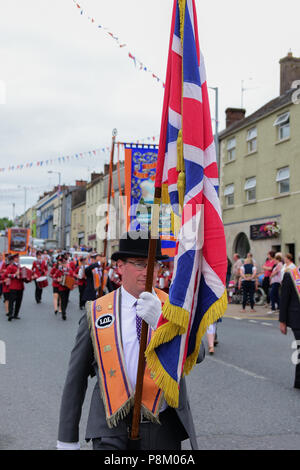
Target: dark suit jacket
(289,303)
(89,291)
(82,365)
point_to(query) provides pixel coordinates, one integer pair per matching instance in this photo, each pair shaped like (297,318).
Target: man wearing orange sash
(107,345)
(93,274)
(289,315)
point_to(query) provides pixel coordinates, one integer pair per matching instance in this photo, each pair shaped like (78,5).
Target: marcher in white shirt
(130,303)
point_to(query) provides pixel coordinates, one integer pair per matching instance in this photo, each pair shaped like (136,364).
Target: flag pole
(134,440)
(134,435)
(109,191)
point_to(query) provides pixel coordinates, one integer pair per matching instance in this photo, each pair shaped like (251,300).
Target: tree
(5,223)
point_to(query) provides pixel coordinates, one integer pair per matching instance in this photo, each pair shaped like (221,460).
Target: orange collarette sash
(97,278)
(116,391)
(295,275)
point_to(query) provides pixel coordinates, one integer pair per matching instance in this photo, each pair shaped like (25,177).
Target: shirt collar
(127,298)
(130,299)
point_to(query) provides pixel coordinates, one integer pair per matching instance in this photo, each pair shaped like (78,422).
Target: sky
(65,82)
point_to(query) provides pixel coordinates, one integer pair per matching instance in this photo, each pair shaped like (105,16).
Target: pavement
(235,311)
(241,398)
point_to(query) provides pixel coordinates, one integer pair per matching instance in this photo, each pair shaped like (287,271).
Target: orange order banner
(140,170)
(18,240)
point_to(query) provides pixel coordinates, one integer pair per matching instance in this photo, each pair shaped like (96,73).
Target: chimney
(106,168)
(234,115)
(289,72)
(80,183)
(94,176)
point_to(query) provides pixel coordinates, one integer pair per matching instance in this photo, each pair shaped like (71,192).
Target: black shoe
(9,318)
(17,317)
(297,385)
(55,312)
(64,317)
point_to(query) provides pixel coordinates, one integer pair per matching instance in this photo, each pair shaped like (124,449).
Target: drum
(26,274)
(68,281)
(42,282)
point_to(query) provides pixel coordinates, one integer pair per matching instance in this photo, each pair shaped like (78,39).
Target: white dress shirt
(131,349)
(131,345)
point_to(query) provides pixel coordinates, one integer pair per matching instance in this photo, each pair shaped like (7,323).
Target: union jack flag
(187,167)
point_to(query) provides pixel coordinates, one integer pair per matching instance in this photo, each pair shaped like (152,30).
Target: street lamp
(25,201)
(60,207)
(59,176)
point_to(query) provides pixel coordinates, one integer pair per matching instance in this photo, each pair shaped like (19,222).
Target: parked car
(77,254)
(27,261)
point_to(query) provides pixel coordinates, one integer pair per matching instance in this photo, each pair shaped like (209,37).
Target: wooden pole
(110,185)
(134,436)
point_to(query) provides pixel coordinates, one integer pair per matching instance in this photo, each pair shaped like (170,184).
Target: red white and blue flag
(187,167)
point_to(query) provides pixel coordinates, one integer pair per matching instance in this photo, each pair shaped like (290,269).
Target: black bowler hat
(135,244)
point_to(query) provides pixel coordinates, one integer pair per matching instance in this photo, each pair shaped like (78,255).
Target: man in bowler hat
(132,304)
(289,315)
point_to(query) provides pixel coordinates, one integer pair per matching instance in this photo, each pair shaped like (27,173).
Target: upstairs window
(229,194)
(252,139)
(231,147)
(283,126)
(250,188)
(283,180)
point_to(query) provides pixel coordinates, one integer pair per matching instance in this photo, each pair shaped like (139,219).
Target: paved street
(242,397)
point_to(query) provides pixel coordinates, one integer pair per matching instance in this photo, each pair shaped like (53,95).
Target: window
(250,188)
(283,180)
(229,194)
(252,139)
(283,126)
(231,145)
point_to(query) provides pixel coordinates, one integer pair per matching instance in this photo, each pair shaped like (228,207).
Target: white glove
(67,445)
(148,307)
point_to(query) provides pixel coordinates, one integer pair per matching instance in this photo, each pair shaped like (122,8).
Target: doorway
(290,248)
(242,245)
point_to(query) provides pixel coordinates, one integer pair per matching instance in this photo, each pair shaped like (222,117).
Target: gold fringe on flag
(175,224)
(182,5)
(180,167)
(177,325)
(165,199)
(213,314)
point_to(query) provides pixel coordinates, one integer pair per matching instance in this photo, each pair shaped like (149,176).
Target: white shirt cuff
(68,445)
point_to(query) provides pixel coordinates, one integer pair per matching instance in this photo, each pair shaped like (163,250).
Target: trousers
(38,293)
(165,436)
(248,290)
(81,292)
(266,287)
(297,371)
(64,299)
(274,295)
(15,300)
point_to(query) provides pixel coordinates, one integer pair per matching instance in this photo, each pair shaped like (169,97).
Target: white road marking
(237,318)
(266,324)
(240,369)
(253,321)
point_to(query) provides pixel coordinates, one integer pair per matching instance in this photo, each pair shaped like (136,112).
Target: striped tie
(138,324)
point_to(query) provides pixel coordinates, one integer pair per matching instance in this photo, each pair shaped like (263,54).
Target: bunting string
(54,161)
(66,159)
(139,65)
